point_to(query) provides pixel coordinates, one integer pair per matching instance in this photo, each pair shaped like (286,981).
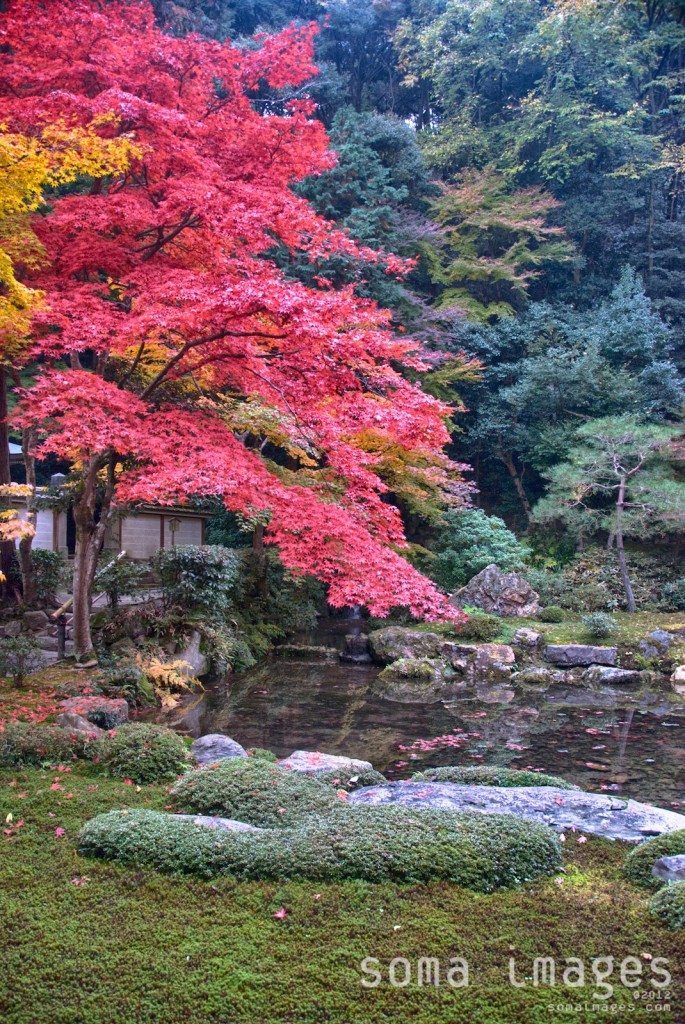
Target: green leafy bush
(49,572)
(119,577)
(669,905)
(599,625)
(469,541)
(25,743)
(143,753)
(479,626)
(19,657)
(481,852)
(254,791)
(486,775)
(673,596)
(638,864)
(551,614)
(199,578)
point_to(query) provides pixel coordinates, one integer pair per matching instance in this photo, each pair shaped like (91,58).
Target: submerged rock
(562,809)
(498,593)
(215,747)
(580,654)
(306,652)
(312,761)
(417,681)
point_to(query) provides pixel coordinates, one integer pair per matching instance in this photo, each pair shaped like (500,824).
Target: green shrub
(638,864)
(470,541)
(19,657)
(485,775)
(260,754)
(254,791)
(350,779)
(119,577)
(50,573)
(199,578)
(481,852)
(479,626)
(673,596)
(25,743)
(669,905)
(599,625)
(552,613)
(143,753)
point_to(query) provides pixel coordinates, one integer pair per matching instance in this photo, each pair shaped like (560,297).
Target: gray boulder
(107,712)
(604,675)
(570,655)
(215,747)
(657,643)
(560,808)
(356,650)
(395,642)
(70,720)
(526,638)
(670,869)
(494,663)
(34,621)
(498,593)
(312,761)
(11,628)
(198,664)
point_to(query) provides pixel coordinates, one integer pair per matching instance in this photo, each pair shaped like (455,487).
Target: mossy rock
(485,775)
(479,852)
(639,863)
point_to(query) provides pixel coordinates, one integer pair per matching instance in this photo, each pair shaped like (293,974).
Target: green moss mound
(261,754)
(552,613)
(482,775)
(638,864)
(144,753)
(256,792)
(24,743)
(479,626)
(349,779)
(669,905)
(479,852)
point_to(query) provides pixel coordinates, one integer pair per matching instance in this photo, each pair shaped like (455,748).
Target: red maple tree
(175,358)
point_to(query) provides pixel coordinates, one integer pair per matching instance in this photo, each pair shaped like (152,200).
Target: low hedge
(669,905)
(254,791)
(639,863)
(479,852)
(143,753)
(482,775)
(25,743)
(350,779)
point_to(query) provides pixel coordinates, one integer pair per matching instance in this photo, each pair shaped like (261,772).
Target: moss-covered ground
(87,942)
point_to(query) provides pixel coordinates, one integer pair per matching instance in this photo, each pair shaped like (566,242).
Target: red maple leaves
(195,366)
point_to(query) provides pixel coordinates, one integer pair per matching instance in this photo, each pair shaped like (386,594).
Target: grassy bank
(86,942)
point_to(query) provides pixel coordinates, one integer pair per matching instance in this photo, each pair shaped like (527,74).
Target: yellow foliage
(168,678)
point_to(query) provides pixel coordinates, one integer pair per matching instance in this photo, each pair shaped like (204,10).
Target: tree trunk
(6,547)
(260,558)
(620,551)
(28,576)
(508,460)
(90,536)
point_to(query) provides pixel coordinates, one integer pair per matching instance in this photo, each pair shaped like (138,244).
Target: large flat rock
(571,655)
(312,761)
(562,809)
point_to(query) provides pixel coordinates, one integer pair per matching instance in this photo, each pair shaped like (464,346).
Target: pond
(603,741)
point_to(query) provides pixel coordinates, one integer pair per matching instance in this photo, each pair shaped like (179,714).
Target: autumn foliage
(175,358)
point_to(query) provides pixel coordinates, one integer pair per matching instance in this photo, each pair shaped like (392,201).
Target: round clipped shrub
(485,775)
(29,743)
(260,754)
(638,864)
(669,905)
(599,625)
(479,626)
(255,792)
(481,852)
(553,613)
(350,779)
(144,753)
